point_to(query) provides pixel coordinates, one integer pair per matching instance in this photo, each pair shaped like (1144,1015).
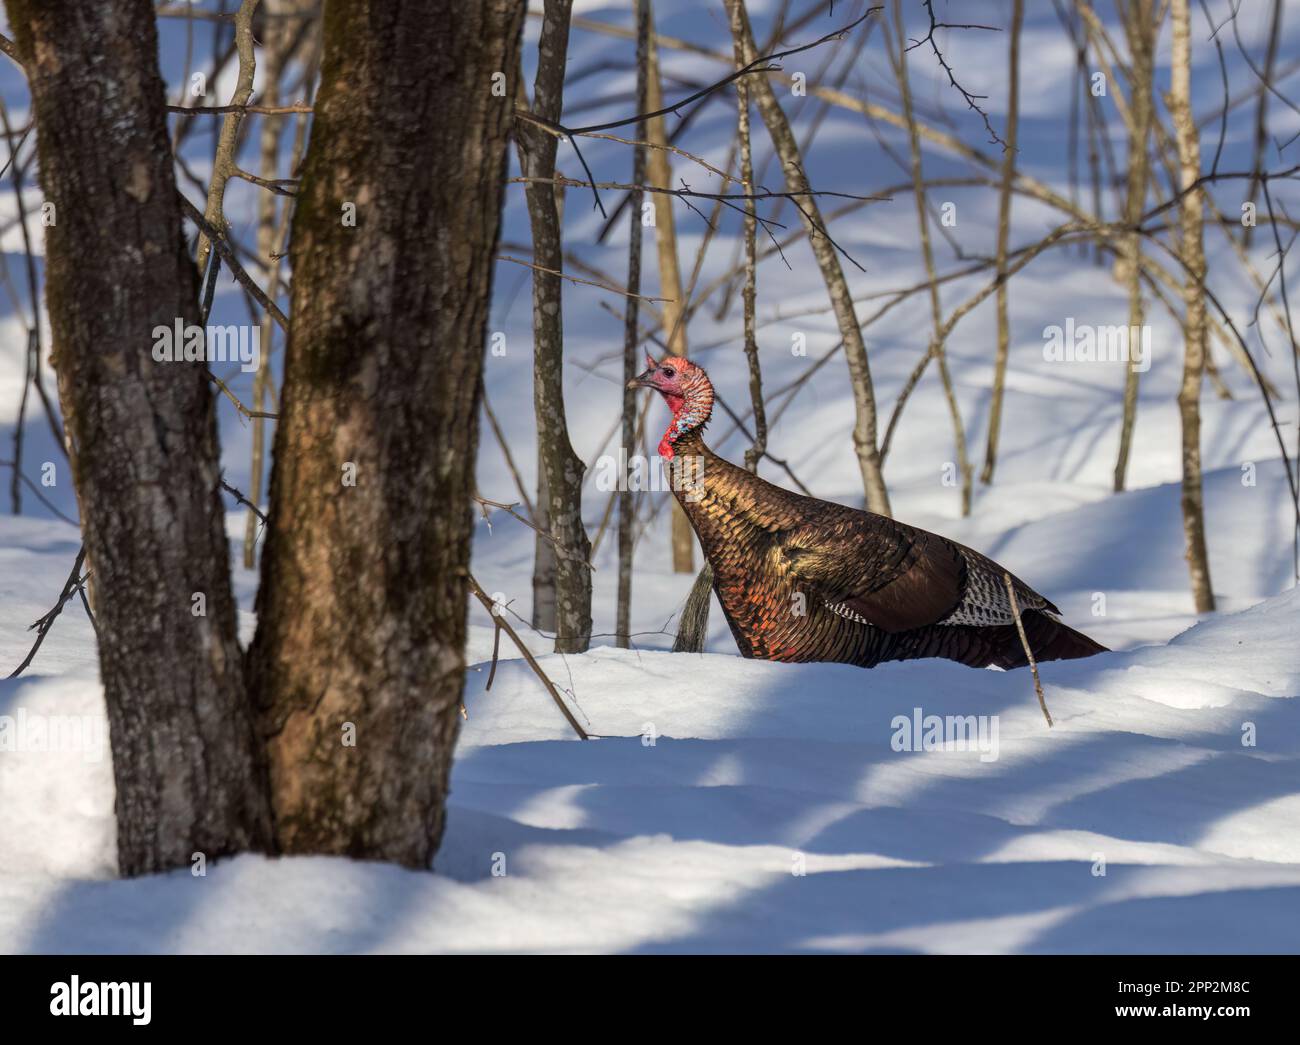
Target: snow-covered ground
(738,805)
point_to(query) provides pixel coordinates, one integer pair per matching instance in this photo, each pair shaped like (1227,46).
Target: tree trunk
(936,348)
(543,618)
(631,334)
(1004,234)
(1261,110)
(223,163)
(277,47)
(358,663)
(560,490)
(660,173)
(143,438)
(855,350)
(1141,29)
(749,295)
(1191,235)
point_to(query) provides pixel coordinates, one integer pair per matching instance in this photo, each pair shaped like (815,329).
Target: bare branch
(504,625)
(972,100)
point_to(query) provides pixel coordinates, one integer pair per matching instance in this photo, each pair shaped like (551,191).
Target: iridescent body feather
(801,579)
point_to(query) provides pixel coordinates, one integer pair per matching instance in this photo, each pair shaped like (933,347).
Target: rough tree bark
(560,487)
(142,436)
(361,628)
(828,261)
(1192,246)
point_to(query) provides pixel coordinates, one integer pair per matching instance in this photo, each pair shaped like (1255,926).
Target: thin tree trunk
(543,579)
(1261,110)
(1004,235)
(1192,225)
(560,492)
(279,36)
(358,663)
(828,261)
(223,163)
(936,348)
(35,346)
(750,293)
(631,334)
(660,173)
(143,439)
(1141,29)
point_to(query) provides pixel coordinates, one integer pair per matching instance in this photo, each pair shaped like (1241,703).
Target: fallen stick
(504,625)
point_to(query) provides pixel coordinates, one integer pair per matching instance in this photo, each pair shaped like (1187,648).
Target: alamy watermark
(922,732)
(190,343)
(636,472)
(1084,343)
(30,732)
(72,997)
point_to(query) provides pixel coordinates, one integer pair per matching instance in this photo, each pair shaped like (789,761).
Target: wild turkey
(801,579)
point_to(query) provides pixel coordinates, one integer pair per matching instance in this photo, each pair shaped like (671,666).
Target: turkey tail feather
(693,628)
(1049,638)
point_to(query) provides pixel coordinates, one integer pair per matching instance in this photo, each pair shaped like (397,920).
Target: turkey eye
(669,371)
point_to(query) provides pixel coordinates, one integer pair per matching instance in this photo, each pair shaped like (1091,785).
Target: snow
(741,805)
(734,805)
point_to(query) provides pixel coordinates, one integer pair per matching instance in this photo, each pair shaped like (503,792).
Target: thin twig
(1024,641)
(935,24)
(222,246)
(760,64)
(484,504)
(250,414)
(239,496)
(261,110)
(43,625)
(573,279)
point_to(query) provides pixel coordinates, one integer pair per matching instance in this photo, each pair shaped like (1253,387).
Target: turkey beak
(644,380)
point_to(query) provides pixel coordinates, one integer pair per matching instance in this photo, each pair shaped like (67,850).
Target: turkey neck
(721,500)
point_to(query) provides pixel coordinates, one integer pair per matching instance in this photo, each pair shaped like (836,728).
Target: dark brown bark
(561,469)
(143,438)
(363,600)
